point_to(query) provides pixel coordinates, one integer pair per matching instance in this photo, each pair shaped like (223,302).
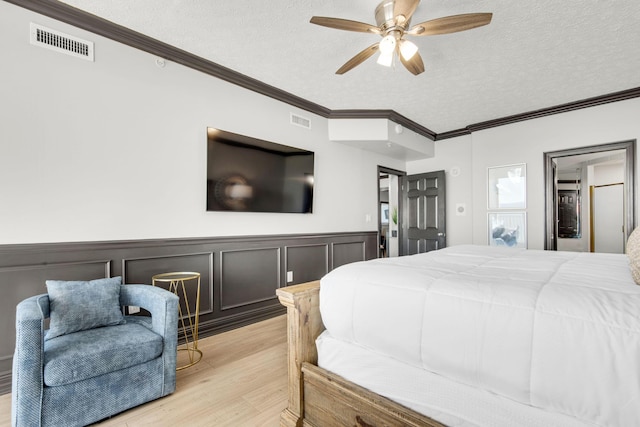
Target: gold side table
(188,324)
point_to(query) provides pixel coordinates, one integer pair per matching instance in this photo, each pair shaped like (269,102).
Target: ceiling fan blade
(358,59)
(405,8)
(414,65)
(344,24)
(450,24)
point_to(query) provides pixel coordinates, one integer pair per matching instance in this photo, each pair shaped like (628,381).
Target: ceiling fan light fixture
(385,59)
(407,49)
(393,18)
(388,44)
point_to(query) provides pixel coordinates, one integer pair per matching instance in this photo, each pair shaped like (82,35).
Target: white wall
(454,157)
(116,149)
(525,142)
(608,174)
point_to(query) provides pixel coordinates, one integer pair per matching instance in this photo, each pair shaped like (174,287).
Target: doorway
(569,178)
(390,212)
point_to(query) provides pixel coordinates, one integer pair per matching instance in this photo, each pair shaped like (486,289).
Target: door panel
(424,198)
(415,212)
(432,216)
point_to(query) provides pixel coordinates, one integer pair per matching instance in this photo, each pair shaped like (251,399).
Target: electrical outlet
(133,309)
(289,276)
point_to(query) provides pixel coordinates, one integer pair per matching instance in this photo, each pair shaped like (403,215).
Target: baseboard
(216,326)
(5,383)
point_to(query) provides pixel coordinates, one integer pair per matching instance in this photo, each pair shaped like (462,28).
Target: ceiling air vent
(300,121)
(60,42)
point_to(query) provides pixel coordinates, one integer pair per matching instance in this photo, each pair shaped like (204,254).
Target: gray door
(424,212)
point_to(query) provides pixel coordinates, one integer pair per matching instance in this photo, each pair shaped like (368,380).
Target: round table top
(170,277)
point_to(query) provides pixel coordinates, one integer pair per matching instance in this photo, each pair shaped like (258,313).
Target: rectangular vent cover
(300,121)
(60,42)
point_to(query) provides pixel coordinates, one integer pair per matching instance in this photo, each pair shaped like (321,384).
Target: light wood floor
(240,381)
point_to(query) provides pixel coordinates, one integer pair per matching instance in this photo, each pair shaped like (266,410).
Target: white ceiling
(533,55)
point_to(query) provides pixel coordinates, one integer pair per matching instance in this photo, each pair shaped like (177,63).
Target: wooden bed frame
(317,397)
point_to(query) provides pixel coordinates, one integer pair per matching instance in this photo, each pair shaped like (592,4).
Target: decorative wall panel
(306,262)
(248,276)
(21,282)
(239,275)
(345,253)
(141,270)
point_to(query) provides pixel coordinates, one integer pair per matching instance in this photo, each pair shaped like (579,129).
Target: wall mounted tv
(251,175)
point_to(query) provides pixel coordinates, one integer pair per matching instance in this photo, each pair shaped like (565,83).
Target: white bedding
(558,331)
(452,403)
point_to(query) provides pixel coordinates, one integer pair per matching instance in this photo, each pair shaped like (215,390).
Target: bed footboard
(318,397)
(304,324)
(330,400)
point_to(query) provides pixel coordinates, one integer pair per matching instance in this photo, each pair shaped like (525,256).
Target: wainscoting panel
(239,275)
(19,283)
(248,276)
(306,262)
(346,253)
(142,270)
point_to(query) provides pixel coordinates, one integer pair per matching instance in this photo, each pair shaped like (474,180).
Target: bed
(467,336)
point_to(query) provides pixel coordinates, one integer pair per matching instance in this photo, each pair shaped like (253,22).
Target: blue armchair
(80,377)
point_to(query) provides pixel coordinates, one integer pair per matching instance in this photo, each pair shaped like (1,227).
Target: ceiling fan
(393,18)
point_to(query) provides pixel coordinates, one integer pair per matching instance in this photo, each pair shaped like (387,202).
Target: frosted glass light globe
(388,44)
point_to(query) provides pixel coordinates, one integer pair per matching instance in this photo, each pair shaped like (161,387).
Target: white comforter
(555,330)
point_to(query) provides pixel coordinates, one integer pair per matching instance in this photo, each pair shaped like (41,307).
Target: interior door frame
(400,174)
(629,176)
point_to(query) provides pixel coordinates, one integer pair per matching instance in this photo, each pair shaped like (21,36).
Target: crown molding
(562,108)
(536,114)
(86,21)
(452,134)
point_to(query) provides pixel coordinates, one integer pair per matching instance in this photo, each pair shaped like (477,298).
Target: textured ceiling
(533,55)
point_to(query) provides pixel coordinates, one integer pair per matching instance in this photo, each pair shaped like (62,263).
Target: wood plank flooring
(240,381)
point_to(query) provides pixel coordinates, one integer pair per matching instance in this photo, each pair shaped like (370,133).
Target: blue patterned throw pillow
(80,305)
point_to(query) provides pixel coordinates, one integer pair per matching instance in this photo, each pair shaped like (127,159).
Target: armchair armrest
(27,380)
(163,306)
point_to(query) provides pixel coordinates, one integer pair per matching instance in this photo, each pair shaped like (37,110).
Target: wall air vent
(60,42)
(300,121)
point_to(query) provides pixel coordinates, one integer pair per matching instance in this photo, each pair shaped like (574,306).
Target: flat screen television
(251,175)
